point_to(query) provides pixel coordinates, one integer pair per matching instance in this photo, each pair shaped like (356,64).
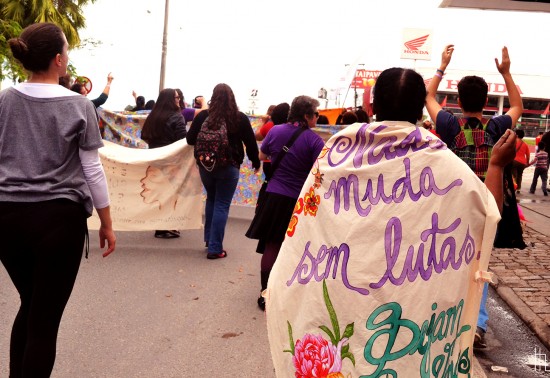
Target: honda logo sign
(417,44)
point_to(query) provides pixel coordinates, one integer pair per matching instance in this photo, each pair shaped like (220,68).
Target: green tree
(15,15)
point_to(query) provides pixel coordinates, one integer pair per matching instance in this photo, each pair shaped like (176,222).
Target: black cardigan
(244,135)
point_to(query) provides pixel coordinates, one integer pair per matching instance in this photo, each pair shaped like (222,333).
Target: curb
(522,310)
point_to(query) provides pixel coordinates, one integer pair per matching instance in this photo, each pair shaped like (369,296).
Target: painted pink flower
(313,357)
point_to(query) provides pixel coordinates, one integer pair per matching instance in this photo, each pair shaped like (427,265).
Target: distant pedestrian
(523,155)
(537,141)
(541,169)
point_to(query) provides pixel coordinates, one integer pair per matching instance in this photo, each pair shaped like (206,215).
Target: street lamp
(164,48)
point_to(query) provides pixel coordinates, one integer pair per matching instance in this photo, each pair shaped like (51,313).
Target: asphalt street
(159,308)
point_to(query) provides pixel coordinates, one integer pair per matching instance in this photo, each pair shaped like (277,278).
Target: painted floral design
(292,226)
(316,357)
(311,202)
(318,178)
(298,208)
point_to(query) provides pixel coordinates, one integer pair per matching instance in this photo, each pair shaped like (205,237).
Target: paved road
(159,308)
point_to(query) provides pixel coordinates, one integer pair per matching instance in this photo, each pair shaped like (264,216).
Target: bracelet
(440,71)
(108,85)
(439,75)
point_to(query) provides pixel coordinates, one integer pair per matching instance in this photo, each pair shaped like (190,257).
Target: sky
(287,48)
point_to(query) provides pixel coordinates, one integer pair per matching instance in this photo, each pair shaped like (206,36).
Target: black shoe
(479,339)
(261,303)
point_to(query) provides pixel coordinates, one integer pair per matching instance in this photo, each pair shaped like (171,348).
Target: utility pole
(164,48)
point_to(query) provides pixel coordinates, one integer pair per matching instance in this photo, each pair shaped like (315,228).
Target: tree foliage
(15,15)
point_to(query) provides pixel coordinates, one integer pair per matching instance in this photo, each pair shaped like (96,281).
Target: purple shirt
(188,114)
(294,168)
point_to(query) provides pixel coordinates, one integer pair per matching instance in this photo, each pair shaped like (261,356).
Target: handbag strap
(286,147)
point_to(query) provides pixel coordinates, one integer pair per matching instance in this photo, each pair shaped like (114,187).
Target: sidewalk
(522,277)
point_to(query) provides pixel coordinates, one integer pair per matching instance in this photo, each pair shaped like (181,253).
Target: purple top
(188,114)
(294,168)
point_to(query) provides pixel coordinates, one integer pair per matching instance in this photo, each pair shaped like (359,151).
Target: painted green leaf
(332,313)
(290,338)
(348,332)
(329,333)
(350,356)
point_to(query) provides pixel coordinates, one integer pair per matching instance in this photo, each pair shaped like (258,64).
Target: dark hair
(164,108)
(149,105)
(322,120)
(348,118)
(362,115)
(542,145)
(399,95)
(37,45)
(182,99)
(223,107)
(302,106)
(279,114)
(472,93)
(196,104)
(65,81)
(140,104)
(77,87)
(520,133)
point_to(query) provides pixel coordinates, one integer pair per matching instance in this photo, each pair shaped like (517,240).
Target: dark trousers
(517,172)
(543,174)
(41,249)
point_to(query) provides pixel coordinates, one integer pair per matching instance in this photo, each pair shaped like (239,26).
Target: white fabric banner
(152,189)
(377,274)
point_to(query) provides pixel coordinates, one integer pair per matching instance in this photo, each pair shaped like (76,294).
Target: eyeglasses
(316,114)
(177,98)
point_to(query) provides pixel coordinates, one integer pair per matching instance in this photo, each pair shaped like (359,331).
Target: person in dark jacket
(220,183)
(163,126)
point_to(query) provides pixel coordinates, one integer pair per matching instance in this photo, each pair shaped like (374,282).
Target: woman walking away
(163,126)
(218,135)
(50,178)
(289,171)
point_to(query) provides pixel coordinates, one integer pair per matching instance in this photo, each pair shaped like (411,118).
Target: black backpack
(212,145)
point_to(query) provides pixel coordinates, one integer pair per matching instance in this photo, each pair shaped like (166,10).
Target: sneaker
(479,339)
(214,256)
(546,194)
(531,192)
(261,303)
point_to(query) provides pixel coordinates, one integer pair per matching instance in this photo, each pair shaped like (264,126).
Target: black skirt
(271,219)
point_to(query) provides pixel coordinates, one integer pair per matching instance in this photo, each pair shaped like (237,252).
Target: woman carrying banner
(220,182)
(392,232)
(289,171)
(50,178)
(163,126)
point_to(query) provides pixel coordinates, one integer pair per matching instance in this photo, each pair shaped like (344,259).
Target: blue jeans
(483,315)
(220,186)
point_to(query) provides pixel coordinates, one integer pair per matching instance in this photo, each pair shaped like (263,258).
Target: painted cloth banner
(124,128)
(377,274)
(157,189)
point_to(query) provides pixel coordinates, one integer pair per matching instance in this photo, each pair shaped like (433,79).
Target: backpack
(473,144)
(212,146)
